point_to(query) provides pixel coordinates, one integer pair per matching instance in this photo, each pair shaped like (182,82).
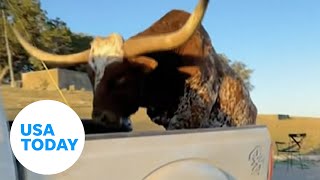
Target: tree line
(53,35)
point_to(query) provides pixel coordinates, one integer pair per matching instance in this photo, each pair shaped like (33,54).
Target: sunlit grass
(279,130)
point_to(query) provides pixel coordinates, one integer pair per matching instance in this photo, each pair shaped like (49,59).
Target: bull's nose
(126,124)
(106,118)
(95,115)
(111,122)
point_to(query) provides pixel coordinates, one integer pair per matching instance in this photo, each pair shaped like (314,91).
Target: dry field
(15,99)
(279,130)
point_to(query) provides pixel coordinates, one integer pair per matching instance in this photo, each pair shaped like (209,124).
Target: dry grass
(279,130)
(15,99)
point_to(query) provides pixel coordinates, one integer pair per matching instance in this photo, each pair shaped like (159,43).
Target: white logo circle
(47,137)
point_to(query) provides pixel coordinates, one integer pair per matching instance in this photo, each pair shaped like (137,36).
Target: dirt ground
(15,99)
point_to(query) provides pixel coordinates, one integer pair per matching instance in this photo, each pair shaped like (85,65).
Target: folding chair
(296,141)
(291,150)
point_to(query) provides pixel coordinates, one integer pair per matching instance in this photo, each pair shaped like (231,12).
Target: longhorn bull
(171,69)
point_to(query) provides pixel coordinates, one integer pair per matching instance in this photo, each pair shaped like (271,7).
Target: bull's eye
(117,82)
(120,80)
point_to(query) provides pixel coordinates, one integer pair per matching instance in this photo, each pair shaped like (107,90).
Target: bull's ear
(148,64)
(189,70)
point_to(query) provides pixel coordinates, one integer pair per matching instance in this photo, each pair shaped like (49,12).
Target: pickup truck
(222,154)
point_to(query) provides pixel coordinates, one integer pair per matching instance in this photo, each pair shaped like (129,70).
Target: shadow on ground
(296,170)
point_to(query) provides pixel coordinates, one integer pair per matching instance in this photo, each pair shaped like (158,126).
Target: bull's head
(117,67)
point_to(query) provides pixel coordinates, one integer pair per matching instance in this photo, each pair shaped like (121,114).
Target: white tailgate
(242,153)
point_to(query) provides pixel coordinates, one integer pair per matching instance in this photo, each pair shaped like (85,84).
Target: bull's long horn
(148,44)
(76,58)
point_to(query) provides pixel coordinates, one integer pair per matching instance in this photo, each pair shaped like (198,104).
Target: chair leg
(274,163)
(288,161)
(291,160)
(301,161)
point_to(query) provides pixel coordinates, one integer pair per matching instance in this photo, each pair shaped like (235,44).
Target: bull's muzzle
(112,122)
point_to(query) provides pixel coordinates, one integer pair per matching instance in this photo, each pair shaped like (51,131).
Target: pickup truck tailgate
(242,153)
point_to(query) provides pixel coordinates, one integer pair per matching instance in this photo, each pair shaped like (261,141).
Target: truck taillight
(270,168)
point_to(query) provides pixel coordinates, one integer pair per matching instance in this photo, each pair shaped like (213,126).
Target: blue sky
(279,39)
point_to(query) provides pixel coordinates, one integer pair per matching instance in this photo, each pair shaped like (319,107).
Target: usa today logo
(47,137)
